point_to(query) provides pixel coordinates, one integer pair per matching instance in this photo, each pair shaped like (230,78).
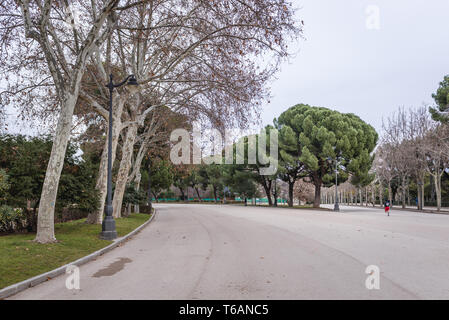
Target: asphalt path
(196,251)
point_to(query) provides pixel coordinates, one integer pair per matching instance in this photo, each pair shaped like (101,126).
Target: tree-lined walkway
(233,252)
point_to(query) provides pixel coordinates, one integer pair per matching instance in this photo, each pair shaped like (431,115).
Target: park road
(199,251)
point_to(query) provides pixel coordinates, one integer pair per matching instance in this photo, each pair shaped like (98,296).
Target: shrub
(12,220)
(4,184)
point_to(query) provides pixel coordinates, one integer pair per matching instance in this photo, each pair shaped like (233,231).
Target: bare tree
(436,158)
(384,167)
(304,191)
(37,32)
(413,145)
(420,124)
(195,58)
(400,150)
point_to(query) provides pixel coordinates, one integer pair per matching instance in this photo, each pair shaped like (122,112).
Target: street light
(336,206)
(149,187)
(108,226)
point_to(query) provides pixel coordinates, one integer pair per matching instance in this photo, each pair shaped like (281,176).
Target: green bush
(26,159)
(11,219)
(167,194)
(4,184)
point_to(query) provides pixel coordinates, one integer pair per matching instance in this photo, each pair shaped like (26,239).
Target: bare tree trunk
(404,181)
(290,193)
(198,194)
(316,201)
(408,194)
(67,84)
(366,196)
(420,184)
(155,197)
(125,165)
(381,194)
(419,205)
(432,187)
(215,193)
(437,182)
(45,221)
(275,194)
(423,202)
(101,185)
(267,188)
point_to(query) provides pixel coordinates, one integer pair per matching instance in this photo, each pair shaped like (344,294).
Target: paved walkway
(235,252)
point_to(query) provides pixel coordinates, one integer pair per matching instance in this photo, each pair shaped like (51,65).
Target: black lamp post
(336,206)
(149,186)
(108,226)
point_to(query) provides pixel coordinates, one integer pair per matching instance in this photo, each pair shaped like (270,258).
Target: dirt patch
(113,268)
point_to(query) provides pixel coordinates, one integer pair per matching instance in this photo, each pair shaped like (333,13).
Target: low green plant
(11,219)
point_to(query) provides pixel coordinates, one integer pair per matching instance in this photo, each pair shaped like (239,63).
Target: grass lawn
(21,258)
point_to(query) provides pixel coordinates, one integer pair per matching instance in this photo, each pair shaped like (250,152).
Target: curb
(34,281)
(429,211)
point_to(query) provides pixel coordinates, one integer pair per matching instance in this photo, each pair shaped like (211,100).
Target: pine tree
(441,97)
(324,136)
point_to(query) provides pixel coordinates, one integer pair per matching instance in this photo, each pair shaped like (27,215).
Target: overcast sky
(345,66)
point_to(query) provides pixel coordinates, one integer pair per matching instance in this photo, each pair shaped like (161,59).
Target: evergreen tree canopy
(162,177)
(25,161)
(441,98)
(256,168)
(240,182)
(320,136)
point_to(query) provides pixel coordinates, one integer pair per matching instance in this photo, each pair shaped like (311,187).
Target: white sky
(345,66)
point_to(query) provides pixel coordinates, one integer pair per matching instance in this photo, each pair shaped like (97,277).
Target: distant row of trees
(314,142)
(223,180)
(415,147)
(311,139)
(412,157)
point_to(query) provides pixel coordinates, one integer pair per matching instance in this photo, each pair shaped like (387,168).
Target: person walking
(387,207)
